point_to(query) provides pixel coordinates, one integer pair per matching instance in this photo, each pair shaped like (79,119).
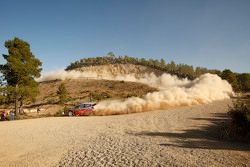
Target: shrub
(239,127)
(131,95)
(100,95)
(62,112)
(62,93)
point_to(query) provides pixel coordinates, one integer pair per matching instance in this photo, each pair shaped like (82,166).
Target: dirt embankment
(186,136)
(121,69)
(84,90)
(81,89)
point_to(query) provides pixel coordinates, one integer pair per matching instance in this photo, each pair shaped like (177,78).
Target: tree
(20,71)
(62,93)
(3,96)
(217,72)
(231,78)
(162,63)
(111,54)
(244,82)
(172,66)
(200,70)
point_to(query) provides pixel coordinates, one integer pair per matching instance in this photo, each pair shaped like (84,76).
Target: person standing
(12,115)
(38,110)
(3,116)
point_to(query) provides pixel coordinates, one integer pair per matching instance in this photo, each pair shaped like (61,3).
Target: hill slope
(84,90)
(180,70)
(120,69)
(173,91)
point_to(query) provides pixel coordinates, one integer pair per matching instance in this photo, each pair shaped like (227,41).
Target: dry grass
(81,89)
(84,90)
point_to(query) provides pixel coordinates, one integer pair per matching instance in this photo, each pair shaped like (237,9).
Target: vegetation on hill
(240,82)
(89,90)
(56,94)
(181,70)
(62,93)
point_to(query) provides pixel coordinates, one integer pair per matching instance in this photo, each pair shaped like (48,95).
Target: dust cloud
(172,92)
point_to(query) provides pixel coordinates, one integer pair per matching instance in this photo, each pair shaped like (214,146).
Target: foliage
(21,66)
(19,72)
(62,93)
(240,121)
(231,78)
(62,112)
(3,95)
(244,82)
(181,70)
(99,95)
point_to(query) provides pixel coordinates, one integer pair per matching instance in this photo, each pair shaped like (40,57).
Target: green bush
(131,95)
(239,127)
(100,95)
(62,112)
(62,93)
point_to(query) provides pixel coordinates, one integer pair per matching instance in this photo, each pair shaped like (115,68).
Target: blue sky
(212,33)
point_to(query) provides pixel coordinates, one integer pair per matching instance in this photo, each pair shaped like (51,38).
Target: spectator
(12,115)
(38,110)
(3,116)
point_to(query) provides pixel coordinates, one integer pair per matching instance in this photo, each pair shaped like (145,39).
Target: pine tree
(20,71)
(62,93)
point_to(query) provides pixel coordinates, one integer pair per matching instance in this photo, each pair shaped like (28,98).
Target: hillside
(180,70)
(120,69)
(239,81)
(84,90)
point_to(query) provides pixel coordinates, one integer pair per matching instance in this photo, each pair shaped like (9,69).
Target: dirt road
(184,136)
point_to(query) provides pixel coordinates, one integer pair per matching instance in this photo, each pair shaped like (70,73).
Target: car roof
(91,103)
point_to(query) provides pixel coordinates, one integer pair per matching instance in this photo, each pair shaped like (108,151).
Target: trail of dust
(204,89)
(163,81)
(173,91)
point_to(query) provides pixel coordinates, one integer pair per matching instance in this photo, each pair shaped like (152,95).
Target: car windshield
(88,105)
(84,105)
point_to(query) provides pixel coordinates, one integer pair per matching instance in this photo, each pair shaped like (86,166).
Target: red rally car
(82,109)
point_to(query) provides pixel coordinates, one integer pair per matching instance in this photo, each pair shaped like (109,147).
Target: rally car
(82,109)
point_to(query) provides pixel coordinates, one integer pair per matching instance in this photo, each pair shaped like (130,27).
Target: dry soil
(186,136)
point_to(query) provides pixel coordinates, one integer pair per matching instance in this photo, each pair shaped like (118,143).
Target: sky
(208,33)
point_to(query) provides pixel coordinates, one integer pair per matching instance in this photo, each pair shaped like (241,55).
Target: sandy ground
(185,136)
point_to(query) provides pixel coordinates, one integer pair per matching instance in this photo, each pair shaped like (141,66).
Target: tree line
(239,81)
(181,70)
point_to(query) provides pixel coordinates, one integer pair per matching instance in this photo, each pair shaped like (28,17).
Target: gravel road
(186,136)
